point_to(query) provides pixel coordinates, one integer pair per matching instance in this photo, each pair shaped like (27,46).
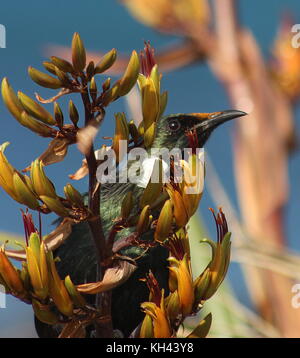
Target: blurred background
(214,56)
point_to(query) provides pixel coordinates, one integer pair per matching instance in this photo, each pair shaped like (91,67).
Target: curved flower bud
(131,74)
(44,79)
(10,275)
(73,195)
(164,223)
(144,220)
(73,113)
(35,109)
(41,184)
(106,61)
(62,64)
(78,53)
(121,133)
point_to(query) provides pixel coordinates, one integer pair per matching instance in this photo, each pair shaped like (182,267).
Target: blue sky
(31,25)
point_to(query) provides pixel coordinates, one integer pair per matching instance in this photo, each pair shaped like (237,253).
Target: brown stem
(103,327)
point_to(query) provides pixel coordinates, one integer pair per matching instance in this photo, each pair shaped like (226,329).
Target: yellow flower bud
(41,184)
(44,79)
(144,220)
(185,284)
(165,220)
(35,109)
(121,133)
(161,324)
(62,64)
(112,94)
(11,100)
(147,327)
(57,289)
(10,275)
(106,61)
(24,193)
(131,74)
(55,205)
(35,126)
(78,53)
(73,113)
(73,195)
(77,298)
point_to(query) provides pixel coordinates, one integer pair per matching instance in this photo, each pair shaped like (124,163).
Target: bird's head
(178,130)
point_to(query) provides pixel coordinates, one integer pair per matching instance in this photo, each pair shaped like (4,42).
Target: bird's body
(77,254)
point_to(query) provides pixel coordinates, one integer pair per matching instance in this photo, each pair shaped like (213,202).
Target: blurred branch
(246,249)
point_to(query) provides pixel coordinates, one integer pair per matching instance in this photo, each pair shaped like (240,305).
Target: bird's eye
(174,125)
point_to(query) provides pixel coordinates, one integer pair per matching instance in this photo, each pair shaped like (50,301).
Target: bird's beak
(212,120)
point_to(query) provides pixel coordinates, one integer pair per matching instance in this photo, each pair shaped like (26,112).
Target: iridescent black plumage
(77,254)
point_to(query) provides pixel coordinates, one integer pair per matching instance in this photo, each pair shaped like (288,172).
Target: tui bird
(77,254)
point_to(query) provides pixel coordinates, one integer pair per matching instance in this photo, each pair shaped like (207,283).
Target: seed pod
(55,205)
(106,61)
(127,205)
(24,193)
(131,74)
(10,274)
(144,220)
(164,223)
(78,53)
(58,114)
(43,79)
(73,113)
(44,313)
(77,298)
(41,184)
(73,195)
(35,109)
(62,64)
